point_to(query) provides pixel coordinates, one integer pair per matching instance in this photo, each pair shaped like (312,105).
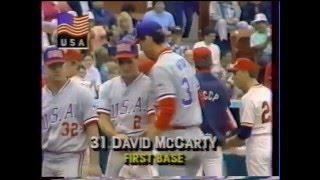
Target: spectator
(102,56)
(263,7)
(209,37)
(125,27)
(93,75)
(102,17)
(81,7)
(50,10)
(189,7)
(100,37)
(247,11)
(158,14)
(113,69)
(130,8)
(176,43)
(182,13)
(260,40)
(112,39)
(226,14)
(188,55)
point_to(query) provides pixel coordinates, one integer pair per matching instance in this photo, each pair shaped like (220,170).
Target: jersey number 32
(69,129)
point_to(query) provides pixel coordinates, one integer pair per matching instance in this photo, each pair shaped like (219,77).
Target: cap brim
(232,69)
(54,62)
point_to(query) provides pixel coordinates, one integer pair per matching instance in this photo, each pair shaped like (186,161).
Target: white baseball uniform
(64,140)
(256,112)
(173,76)
(128,107)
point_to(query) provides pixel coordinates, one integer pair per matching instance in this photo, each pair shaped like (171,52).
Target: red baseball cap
(72,55)
(201,54)
(244,64)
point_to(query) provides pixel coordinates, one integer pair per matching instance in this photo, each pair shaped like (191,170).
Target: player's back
(214,104)
(258,103)
(173,76)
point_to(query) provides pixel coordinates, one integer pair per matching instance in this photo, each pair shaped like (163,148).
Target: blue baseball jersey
(215,102)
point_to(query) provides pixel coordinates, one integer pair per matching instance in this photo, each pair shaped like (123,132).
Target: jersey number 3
(266,115)
(186,86)
(69,129)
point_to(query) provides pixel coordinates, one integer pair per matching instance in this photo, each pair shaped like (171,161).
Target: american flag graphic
(74,26)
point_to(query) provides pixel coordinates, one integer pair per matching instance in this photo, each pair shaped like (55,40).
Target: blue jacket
(215,104)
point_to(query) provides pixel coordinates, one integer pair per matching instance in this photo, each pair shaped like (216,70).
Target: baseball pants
(213,162)
(259,155)
(62,164)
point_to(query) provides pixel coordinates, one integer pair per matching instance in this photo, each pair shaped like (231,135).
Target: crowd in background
(226,18)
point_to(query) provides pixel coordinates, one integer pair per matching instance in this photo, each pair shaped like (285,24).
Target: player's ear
(148,39)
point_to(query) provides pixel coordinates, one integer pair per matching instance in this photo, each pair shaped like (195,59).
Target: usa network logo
(73,31)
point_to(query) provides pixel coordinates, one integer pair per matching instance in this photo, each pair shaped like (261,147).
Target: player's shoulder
(144,77)
(168,59)
(79,87)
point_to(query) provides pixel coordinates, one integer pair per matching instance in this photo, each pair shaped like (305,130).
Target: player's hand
(121,136)
(152,132)
(94,170)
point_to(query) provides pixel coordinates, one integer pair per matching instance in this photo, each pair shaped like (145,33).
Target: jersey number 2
(266,115)
(69,129)
(186,86)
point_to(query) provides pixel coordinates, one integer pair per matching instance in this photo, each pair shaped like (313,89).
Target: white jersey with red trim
(64,116)
(128,106)
(256,110)
(173,76)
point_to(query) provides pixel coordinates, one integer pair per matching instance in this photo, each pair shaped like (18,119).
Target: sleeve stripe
(166,96)
(95,118)
(103,111)
(151,111)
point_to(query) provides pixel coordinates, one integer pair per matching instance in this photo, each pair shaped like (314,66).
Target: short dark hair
(208,30)
(158,37)
(128,7)
(254,74)
(204,64)
(155,2)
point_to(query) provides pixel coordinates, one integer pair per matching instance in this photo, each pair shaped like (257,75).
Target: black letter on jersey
(138,104)
(69,111)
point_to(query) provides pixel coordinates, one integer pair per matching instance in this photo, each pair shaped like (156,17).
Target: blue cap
(126,49)
(147,28)
(53,55)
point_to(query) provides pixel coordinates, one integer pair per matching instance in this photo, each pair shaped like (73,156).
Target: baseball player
(214,104)
(255,117)
(175,86)
(68,120)
(126,105)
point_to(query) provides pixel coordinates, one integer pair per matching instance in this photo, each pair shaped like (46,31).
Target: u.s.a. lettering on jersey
(123,107)
(56,115)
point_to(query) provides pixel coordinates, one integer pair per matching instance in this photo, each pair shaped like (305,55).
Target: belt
(184,127)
